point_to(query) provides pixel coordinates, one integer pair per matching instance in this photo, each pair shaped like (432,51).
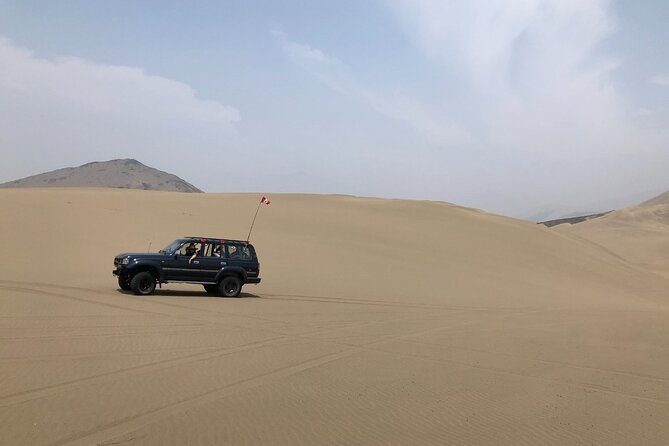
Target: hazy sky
(514,106)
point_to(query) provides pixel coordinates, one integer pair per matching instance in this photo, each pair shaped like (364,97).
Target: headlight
(125,260)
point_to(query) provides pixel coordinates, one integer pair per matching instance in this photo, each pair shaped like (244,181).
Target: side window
(188,248)
(233,251)
(239,251)
(212,250)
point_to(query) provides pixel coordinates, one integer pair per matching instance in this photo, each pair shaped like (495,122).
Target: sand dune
(638,234)
(377,322)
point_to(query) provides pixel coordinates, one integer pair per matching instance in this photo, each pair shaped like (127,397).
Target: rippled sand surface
(377,322)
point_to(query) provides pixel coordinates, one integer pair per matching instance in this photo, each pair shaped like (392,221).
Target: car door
(208,264)
(176,267)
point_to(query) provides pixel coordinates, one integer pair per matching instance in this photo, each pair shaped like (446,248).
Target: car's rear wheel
(124,283)
(143,283)
(230,286)
(211,289)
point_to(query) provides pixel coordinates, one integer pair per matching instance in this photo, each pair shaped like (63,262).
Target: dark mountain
(572,220)
(662,199)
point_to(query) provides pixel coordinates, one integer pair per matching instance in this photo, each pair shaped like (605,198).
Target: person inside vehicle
(217,251)
(191,251)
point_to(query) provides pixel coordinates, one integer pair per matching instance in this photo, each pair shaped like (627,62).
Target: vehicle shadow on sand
(185,293)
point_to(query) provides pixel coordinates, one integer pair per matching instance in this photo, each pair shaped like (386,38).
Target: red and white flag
(264,200)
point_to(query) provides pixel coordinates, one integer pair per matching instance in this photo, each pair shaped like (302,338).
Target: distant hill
(572,220)
(592,208)
(120,173)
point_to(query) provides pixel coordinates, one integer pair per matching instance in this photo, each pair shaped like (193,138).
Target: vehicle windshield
(169,249)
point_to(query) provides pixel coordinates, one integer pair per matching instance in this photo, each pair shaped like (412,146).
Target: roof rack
(214,239)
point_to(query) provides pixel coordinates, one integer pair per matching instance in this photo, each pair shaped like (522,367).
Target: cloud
(662,81)
(538,81)
(524,76)
(524,97)
(76,110)
(333,73)
(301,52)
(533,71)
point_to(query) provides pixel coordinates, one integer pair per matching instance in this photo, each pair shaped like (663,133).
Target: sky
(528,108)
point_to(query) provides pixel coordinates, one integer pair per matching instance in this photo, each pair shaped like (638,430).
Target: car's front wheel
(143,283)
(124,283)
(230,286)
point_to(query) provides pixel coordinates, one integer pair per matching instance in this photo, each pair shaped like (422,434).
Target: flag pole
(253,222)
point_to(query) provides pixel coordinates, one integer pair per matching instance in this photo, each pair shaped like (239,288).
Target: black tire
(143,283)
(230,286)
(211,289)
(124,283)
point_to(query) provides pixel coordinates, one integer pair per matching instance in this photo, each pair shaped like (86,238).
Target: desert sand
(639,234)
(382,322)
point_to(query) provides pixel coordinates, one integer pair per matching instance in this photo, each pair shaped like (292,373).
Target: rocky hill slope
(120,173)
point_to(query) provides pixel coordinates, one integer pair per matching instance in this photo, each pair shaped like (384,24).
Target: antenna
(262,200)
(149,250)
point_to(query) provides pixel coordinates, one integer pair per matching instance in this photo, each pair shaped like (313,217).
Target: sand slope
(377,322)
(639,234)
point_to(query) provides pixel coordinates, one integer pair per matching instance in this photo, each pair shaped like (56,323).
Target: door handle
(196,262)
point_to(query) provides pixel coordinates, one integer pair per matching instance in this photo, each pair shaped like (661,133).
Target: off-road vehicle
(221,266)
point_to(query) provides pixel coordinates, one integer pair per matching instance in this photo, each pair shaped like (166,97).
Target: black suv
(222,266)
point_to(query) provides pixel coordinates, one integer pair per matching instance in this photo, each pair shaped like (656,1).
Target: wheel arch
(144,267)
(232,271)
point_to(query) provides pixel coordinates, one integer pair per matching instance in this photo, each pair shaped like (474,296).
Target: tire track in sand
(27,395)
(128,424)
(28,290)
